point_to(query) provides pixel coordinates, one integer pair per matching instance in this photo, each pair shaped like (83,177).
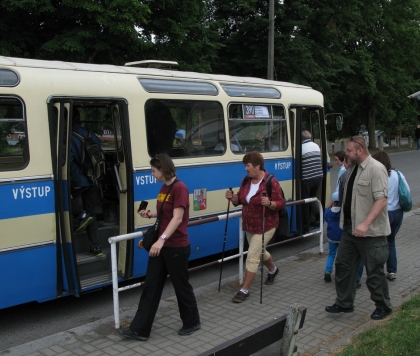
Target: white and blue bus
(205,122)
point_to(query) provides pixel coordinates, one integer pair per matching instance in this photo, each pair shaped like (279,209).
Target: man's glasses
(353,140)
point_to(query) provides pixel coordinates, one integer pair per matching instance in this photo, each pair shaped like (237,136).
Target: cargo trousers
(373,251)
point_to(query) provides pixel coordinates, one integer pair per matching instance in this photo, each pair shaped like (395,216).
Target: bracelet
(270,204)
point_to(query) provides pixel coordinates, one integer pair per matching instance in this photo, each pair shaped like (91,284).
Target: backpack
(282,212)
(92,162)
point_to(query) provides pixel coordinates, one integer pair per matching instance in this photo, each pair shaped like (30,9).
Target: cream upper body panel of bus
(39,81)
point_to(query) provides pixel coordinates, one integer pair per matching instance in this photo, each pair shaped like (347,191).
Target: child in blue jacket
(332,218)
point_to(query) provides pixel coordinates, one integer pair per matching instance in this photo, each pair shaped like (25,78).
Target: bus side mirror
(338,120)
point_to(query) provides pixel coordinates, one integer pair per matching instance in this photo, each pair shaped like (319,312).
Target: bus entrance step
(88,264)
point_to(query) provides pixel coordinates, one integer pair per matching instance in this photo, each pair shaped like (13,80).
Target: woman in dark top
(168,255)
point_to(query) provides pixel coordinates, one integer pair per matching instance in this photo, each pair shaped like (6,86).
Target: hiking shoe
(189,331)
(84,222)
(327,277)
(335,309)
(240,297)
(130,334)
(380,313)
(97,251)
(391,276)
(270,277)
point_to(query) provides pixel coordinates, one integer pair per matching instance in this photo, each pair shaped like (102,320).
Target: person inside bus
(82,187)
(272,144)
(160,128)
(260,218)
(220,147)
(168,255)
(312,176)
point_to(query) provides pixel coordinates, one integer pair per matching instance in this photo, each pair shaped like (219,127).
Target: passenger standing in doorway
(251,197)
(83,187)
(312,176)
(365,222)
(168,255)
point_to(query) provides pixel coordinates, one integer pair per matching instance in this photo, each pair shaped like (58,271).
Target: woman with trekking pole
(250,196)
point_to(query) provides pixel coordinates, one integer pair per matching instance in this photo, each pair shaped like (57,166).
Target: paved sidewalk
(300,281)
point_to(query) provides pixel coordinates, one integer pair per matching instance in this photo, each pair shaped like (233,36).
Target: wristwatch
(163,237)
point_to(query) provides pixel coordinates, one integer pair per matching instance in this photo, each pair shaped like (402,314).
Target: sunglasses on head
(353,140)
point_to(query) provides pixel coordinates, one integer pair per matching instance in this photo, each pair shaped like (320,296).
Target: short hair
(76,116)
(165,164)
(382,156)
(255,158)
(359,141)
(306,135)
(340,155)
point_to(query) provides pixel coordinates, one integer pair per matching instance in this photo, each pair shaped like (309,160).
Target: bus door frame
(296,137)
(125,178)
(59,143)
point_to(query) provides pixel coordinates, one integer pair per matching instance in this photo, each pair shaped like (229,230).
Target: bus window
(13,141)
(310,122)
(183,128)
(255,127)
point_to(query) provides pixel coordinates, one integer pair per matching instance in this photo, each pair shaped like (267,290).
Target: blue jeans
(395,220)
(332,251)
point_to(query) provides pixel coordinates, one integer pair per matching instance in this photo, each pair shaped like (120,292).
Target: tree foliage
(362,55)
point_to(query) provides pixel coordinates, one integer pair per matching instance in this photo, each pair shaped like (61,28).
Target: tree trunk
(371,127)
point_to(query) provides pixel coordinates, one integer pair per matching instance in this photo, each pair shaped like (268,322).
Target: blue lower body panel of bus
(28,275)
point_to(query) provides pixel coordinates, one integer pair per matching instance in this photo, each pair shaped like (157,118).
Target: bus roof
(36,63)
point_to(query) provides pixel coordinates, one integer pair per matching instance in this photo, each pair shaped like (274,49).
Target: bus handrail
(114,239)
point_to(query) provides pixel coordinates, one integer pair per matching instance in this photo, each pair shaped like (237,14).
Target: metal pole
(115,285)
(270,69)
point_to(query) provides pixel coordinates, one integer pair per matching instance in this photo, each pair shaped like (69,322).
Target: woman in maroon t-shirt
(168,255)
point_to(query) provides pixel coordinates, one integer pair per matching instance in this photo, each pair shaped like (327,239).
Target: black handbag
(152,233)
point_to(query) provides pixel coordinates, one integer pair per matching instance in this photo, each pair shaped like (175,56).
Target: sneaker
(391,276)
(270,277)
(380,313)
(335,309)
(327,277)
(189,331)
(97,251)
(240,297)
(84,222)
(130,334)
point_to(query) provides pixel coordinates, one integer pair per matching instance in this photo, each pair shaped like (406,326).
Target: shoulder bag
(152,233)
(404,194)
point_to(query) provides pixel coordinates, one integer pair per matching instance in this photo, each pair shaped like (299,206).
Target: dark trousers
(309,190)
(373,251)
(89,197)
(172,260)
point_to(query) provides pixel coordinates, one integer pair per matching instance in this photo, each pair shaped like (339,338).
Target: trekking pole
(224,241)
(262,248)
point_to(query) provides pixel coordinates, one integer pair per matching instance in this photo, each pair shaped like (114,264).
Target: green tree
(91,31)
(184,31)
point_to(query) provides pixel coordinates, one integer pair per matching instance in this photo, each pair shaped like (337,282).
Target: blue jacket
(77,178)
(332,218)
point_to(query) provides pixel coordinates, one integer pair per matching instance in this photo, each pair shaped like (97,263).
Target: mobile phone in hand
(142,206)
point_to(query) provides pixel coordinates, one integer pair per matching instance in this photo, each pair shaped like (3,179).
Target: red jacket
(252,211)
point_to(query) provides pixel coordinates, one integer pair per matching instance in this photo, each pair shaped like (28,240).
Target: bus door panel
(125,192)
(59,114)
